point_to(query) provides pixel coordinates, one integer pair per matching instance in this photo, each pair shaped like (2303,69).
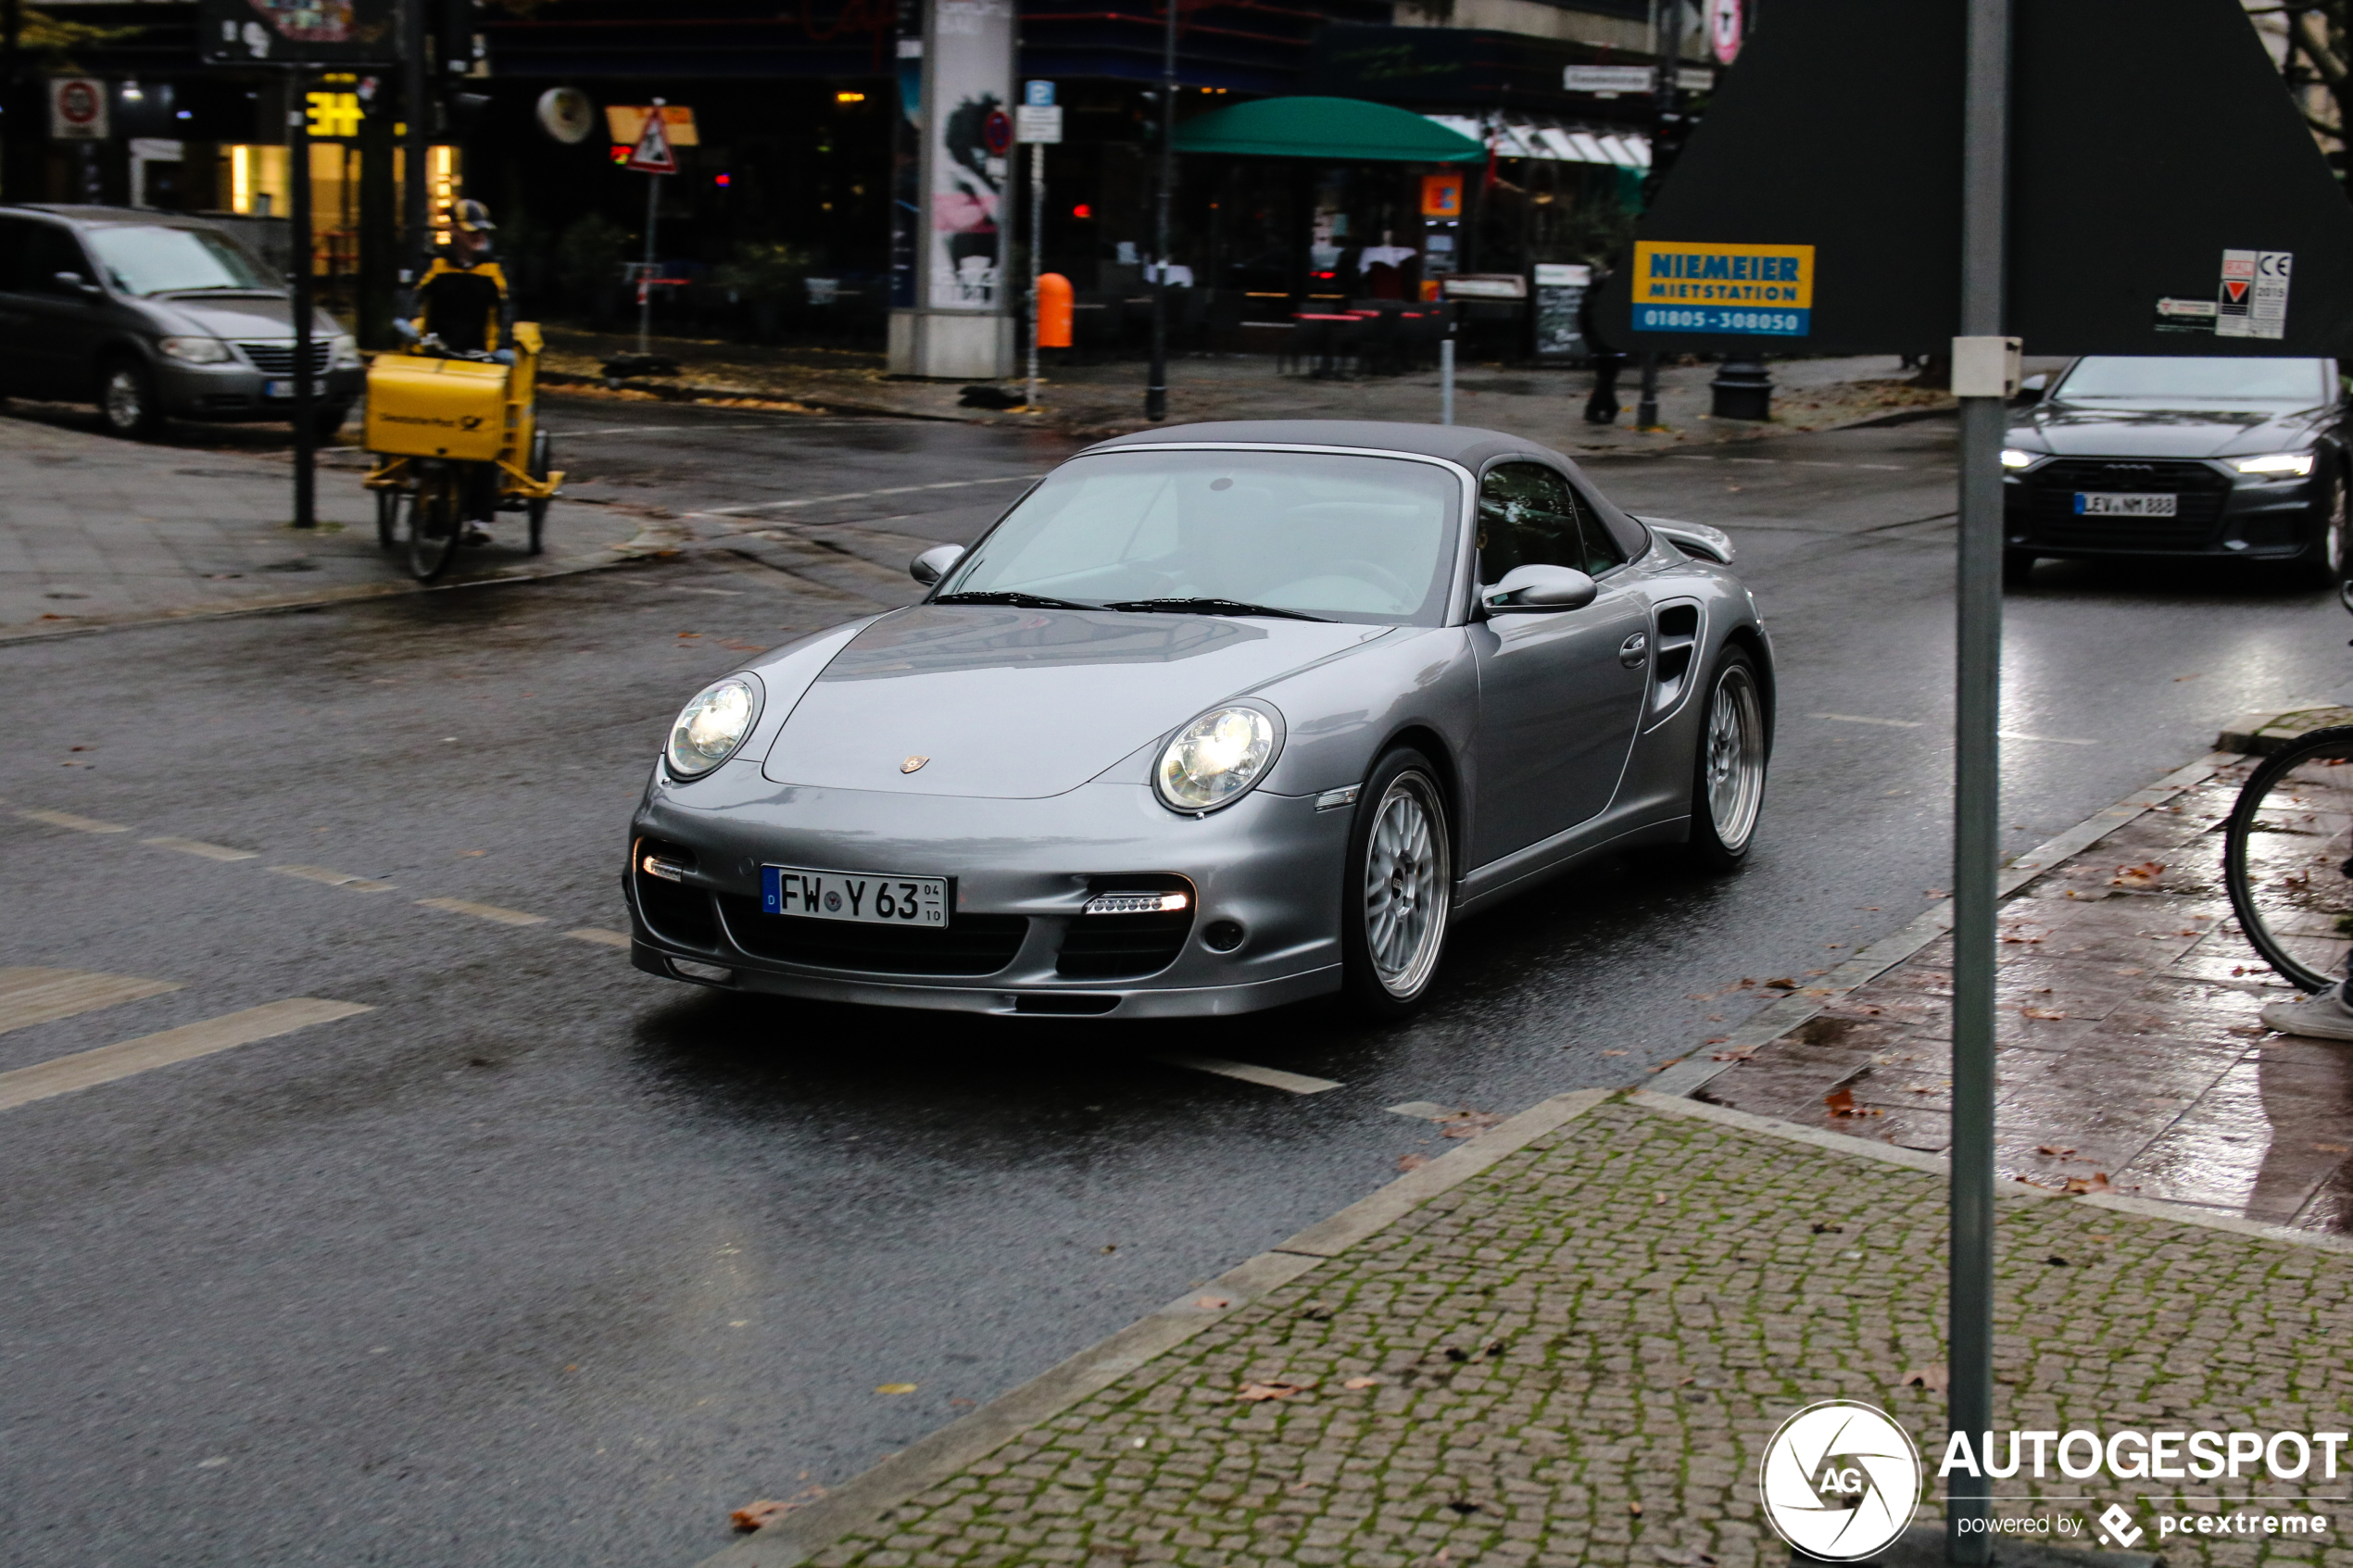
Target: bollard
(1446,381)
(1744,390)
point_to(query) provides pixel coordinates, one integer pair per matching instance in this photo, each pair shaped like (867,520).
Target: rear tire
(1728,775)
(435,525)
(128,401)
(1397,890)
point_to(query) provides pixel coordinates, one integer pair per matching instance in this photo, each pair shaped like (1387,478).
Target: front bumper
(237,391)
(2220,513)
(1017,940)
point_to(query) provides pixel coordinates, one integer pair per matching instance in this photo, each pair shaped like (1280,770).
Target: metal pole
(1037,245)
(1446,376)
(1977,783)
(1157,389)
(306,430)
(646,274)
(416,194)
(1646,407)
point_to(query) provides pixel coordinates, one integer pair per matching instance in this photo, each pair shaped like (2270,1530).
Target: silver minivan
(152,315)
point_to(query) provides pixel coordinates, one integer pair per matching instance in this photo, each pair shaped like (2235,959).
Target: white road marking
(107,1064)
(2055,740)
(483,911)
(67,820)
(1271,1077)
(333,878)
(1427,1110)
(1860,718)
(41,995)
(198,847)
(860,496)
(600,936)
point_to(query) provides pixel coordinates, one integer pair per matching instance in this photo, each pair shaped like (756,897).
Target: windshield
(160,260)
(2170,380)
(1348,538)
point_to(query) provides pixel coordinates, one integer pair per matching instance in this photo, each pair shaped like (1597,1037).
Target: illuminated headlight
(1215,758)
(2297,464)
(710,728)
(344,353)
(2014,457)
(195,350)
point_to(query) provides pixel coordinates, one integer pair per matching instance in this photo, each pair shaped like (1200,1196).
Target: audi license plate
(286,388)
(2134,503)
(875,900)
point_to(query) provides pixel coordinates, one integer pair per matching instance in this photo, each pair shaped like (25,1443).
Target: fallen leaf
(1829,1227)
(2095,1181)
(1657,1199)
(1212,1303)
(1613,1053)
(1635,1509)
(1935,1379)
(1816,973)
(1412,1162)
(894,1388)
(1784,983)
(2054,1151)
(2042,1012)
(1467,1123)
(2331,1148)
(754,1515)
(1841,1102)
(1738,1053)
(1361,1382)
(1259,1393)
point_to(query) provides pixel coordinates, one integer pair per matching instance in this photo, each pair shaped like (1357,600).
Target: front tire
(2331,553)
(128,401)
(434,526)
(1727,777)
(1398,889)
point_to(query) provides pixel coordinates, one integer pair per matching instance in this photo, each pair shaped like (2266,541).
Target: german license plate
(857,895)
(286,388)
(2095,503)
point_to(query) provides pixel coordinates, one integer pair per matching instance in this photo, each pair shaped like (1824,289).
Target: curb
(2260,735)
(695,392)
(1761,1028)
(931,1460)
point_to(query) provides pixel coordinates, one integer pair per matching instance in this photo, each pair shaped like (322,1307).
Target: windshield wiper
(1212,607)
(1011,596)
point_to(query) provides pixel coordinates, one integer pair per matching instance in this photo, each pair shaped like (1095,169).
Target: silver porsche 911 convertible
(1215,718)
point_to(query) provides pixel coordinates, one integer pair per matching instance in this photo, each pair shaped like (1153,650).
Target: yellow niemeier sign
(1682,286)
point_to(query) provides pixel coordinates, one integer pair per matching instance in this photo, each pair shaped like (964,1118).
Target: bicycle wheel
(434,526)
(2287,859)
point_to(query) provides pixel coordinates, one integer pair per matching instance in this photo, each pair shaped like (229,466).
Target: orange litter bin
(1054,298)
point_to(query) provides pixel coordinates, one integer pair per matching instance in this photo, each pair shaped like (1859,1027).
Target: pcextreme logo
(1840,1480)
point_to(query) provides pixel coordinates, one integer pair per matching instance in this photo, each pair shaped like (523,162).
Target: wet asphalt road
(544,1261)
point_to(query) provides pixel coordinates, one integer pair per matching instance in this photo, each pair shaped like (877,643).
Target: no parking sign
(77,109)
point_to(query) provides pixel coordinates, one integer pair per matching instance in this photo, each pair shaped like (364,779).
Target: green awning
(1336,130)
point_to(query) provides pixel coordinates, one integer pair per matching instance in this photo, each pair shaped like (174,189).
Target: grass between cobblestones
(1581,1353)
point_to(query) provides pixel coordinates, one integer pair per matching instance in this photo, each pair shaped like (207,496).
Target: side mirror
(74,283)
(2030,389)
(935,563)
(1539,590)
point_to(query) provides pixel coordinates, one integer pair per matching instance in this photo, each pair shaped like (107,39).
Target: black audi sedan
(2227,458)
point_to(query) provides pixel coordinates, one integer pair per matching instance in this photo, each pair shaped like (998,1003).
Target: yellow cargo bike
(456,436)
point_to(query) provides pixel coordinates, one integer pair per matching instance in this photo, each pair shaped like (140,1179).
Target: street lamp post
(1157,389)
(1666,108)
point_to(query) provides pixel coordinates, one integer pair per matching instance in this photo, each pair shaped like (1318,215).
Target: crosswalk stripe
(483,911)
(198,847)
(122,1059)
(41,995)
(1271,1077)
(597,935)
(333,878)
(67,820)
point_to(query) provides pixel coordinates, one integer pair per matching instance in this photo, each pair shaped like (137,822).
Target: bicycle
(2287,858)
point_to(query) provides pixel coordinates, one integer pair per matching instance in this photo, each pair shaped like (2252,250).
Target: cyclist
(463,308)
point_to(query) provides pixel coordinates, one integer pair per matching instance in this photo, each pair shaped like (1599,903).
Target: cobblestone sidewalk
(1576,1355)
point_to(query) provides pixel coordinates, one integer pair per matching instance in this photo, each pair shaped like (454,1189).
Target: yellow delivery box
(424,408)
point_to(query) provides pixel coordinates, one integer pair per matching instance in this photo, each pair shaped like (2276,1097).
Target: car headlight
(344,354)
(712,726)
(195,350)
(2297,463)
(1215,759)
(2015,457)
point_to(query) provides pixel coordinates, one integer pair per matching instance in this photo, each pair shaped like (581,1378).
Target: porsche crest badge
(912,763)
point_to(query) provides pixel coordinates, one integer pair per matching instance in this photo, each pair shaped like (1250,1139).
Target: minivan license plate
(856,895)
(286,388)
(2095,503)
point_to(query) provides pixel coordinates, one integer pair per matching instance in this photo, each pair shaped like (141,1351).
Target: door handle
(1634,650)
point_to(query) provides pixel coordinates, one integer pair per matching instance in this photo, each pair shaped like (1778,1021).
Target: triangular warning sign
(652,154)
(2235,288)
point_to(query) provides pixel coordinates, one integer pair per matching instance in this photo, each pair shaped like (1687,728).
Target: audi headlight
(344,353)
(2013,458)
(1215,758)
(195,350)
(712,726)
(2276,463)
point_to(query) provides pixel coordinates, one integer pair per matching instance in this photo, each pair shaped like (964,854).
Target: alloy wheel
(1735,757)
(1408,886)
(126,399)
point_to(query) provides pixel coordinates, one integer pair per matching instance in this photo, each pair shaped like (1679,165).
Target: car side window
(15,234)
(49,251)
(1530,515)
